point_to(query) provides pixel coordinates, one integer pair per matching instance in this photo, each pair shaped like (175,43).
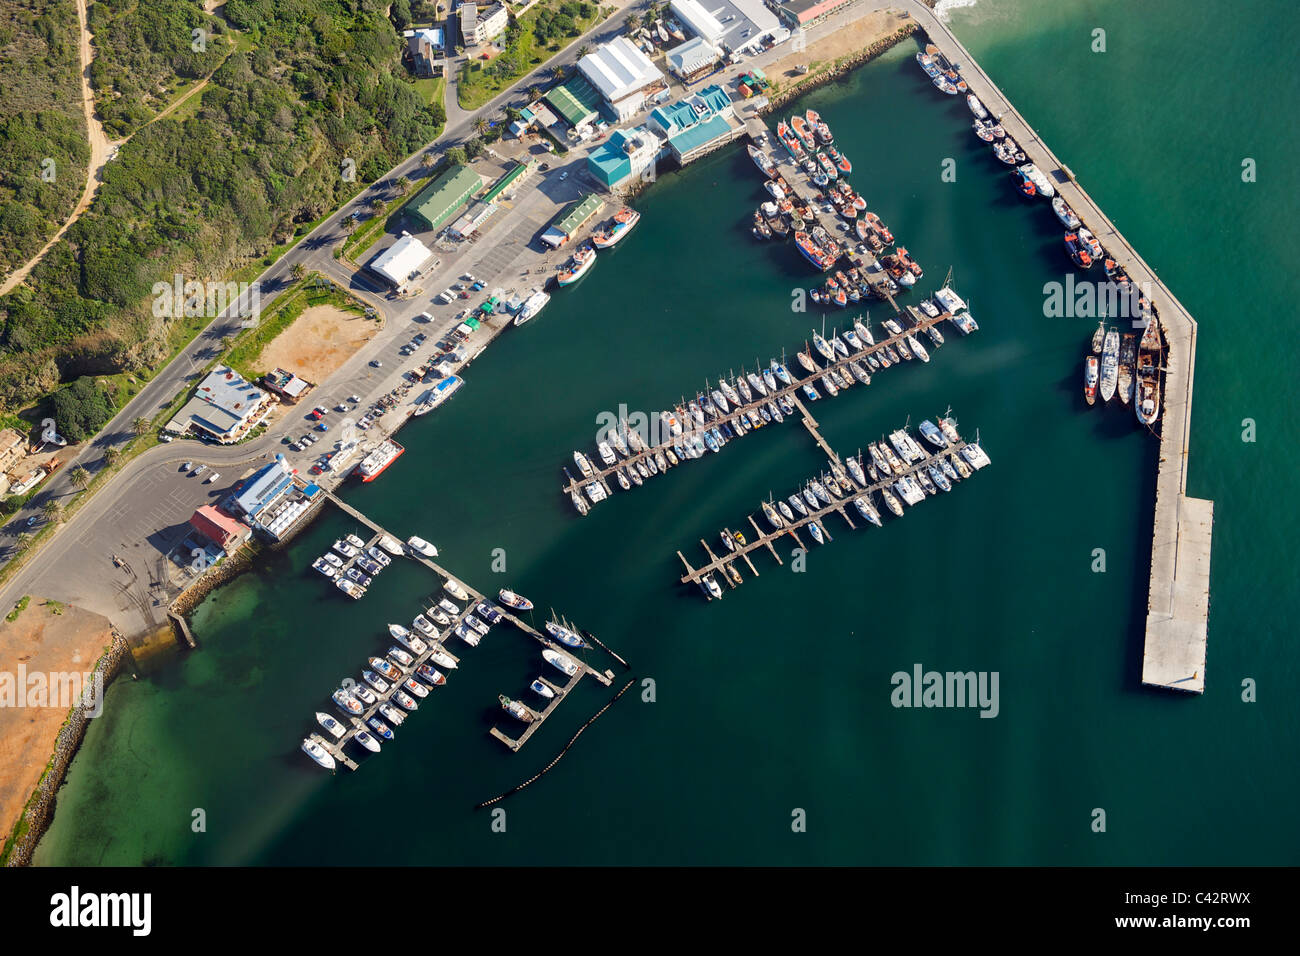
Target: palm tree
(559,72)
(583,51)
(140,426)
(298,270)
(402,183)
(631,21)
(52,510)
(350,224)
(376,205)
(112,456)
(427,160)
(24,539)
(80,477)
(480,125)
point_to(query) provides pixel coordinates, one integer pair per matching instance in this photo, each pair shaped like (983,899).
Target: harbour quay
(1178,597)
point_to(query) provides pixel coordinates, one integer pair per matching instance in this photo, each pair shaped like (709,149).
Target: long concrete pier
(1179,594)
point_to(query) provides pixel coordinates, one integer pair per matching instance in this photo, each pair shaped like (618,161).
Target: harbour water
(778,697)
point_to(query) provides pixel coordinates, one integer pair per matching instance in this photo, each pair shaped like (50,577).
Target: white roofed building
(401,261)
(623,76)
(698,20)
(692,59)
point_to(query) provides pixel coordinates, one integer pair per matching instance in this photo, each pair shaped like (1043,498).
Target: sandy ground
(859,34)
(317,342)
(71,640)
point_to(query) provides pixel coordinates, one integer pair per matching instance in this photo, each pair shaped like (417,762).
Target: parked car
(322,427)
(201,469)
(165,436)
(32,520)
(211,478)
(375,363)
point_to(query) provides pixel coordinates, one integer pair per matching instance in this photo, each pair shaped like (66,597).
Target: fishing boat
(811,251)
(1146,403)
(560,661)
(581,261)
(1090,243)
(1090,379)
(976,107)
(619,227)
(1065,213)
(318,753)
(532,305)
(762,161)
(840,160)
(1041,183)
(800,126)
(1109,365)
(516,601)
(540,688)
(1077,251)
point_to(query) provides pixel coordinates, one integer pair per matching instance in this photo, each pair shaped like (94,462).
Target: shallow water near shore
(777,698)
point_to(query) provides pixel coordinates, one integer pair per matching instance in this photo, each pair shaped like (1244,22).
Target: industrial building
(575,100)
(224,408)
(220,528)
(731,26)
(692,60)
(437,201)
(625,155)
(402,261)
(698,124)
(801,13)
(623,76)
(574,217)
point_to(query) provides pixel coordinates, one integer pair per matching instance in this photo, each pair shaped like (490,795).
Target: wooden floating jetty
(767,539)
(792,391)
(335,747)
(1178,595)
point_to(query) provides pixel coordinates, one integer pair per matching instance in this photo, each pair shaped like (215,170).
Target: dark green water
(778,697)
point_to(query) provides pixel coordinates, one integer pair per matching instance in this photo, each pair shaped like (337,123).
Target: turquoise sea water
(778,697)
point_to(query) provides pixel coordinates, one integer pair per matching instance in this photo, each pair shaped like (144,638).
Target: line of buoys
(572,741)
(592,637)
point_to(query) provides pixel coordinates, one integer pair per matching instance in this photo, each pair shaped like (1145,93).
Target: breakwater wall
(36,816)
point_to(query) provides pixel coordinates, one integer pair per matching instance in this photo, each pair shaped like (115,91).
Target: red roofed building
(218,527)
(800,13)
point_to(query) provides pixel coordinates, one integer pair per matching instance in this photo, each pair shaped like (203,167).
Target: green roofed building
(576,101)
(572,219)
(437,201)
(510,179)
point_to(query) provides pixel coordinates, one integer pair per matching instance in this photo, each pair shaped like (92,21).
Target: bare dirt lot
(858,35)
(71,640)
(317,342)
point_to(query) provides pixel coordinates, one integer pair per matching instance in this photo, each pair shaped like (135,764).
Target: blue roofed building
(627,154)
(263,488)
(698,124)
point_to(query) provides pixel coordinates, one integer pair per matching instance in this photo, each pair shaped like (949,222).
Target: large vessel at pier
(532,305)
(619,227)
(373,465)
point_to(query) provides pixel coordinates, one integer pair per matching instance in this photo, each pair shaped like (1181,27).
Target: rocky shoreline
(40,808)
(847,65)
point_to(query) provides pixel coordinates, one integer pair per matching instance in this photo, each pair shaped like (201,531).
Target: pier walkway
(839,503)
(1178,597)
(920,323)
(358,722)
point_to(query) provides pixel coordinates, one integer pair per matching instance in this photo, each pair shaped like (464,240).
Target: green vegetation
(312,290)
(221,188)
(143,54)
(18,608)
(80,409)
(546,29)
(43,150)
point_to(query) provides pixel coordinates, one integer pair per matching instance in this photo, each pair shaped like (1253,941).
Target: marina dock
(768,539)
(356,722)
(798,378)
(1178,595)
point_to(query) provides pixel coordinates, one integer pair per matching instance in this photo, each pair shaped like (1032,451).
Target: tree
(52,510)
(559,72)
(112,455)
(24,539)
(376,205)
(480,125)
(350,223)
(583,51)
(79,477)
(456,156)
(139,426)
(402,183)
(298,270)
(427,160)
(80,410)
(631,21)
(512,113)
(475,147)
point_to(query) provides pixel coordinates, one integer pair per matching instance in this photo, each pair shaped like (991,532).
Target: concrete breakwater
(36,815)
